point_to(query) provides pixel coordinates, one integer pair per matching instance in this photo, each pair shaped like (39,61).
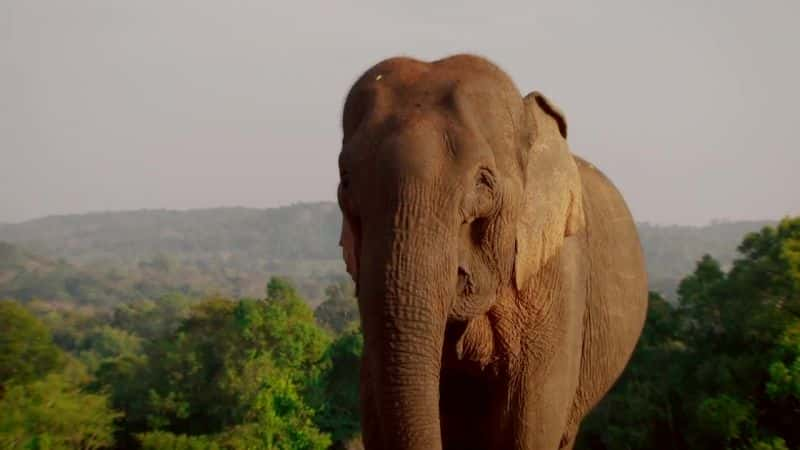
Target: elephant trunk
(407,277)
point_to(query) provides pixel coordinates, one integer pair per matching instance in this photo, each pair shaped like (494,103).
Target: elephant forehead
(417,150)
(454,85)
(443,75)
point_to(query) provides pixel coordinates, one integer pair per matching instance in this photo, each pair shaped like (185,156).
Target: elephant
(500,279)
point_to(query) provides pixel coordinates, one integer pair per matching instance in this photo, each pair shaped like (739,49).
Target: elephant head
(455,190)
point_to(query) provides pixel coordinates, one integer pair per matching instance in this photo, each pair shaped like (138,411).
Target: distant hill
(239,236)
(227,251)
(672,251)
(234,250)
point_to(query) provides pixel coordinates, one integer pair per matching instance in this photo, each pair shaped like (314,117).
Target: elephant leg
(543,404)
(550,373)
(544,395)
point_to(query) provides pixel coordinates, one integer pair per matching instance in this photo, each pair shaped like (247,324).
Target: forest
(109,347)
(176,373)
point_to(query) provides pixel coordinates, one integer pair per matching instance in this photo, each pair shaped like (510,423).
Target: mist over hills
(297,232)
(222,251)
(672,251)
(233,251)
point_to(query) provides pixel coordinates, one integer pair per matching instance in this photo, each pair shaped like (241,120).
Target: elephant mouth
(468,345)
(464,287)
(472,298)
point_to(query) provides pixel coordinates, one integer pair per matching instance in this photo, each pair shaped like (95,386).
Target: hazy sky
(690,107)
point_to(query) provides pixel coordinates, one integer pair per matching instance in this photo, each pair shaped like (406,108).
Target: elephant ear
(551,109)
(552,205)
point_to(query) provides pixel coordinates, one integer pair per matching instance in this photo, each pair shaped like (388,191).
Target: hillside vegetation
(234,251)
(143,254)
(717,369)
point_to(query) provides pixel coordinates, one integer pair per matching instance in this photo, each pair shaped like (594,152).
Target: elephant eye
(344,180)
(480,201)
(485,184)
(485,179)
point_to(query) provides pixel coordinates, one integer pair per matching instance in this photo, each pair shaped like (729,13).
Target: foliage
(211,374)
(340,416)
(163,440)
(43,404)
(242,374)
(280,419)
(129,329)
(152,319)
(784,372)
(725,419)
(770,443)
(26,347)
(54,413)
(340,308)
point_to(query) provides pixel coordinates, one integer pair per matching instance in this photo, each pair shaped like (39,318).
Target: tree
(164,440)
(152,319)
(340,308)
(340,415)
(55,413)
(27,351)
(784,372)
(279,288)
(279,418)
(104,343)
(241,373)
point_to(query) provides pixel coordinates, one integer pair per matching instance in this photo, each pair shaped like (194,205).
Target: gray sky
(690,107)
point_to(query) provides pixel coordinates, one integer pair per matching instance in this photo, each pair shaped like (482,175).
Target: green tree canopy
(55,413)
(232,374)
(27,351)
(340,308)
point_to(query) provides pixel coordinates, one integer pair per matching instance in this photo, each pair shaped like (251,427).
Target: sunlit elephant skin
(500,279)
